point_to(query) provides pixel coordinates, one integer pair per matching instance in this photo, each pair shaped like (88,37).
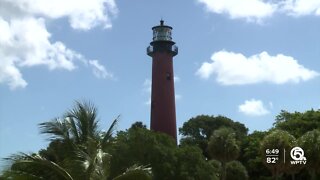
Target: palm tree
(78,149)
(223,147)
(136,172)
(35,167)
(280,140)
(310,143)
(32,167)
(78,129)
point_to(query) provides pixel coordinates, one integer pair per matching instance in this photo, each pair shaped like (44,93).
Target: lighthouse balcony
(150,50)
(173,49)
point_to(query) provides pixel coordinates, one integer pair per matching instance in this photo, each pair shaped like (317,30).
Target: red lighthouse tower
(163,110)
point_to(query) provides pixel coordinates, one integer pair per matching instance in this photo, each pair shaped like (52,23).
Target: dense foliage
(251,156)
(298,123)
(198,130)
(77,150)
(235,170)
(280,140)
(138,145)
(223,147)
(211,147)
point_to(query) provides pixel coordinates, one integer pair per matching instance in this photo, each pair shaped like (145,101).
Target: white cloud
(302,7)
(252,10)
(10,74)
(236,69)
(99,70)
(253,108)
(257,10)
(25,40)
(82,14)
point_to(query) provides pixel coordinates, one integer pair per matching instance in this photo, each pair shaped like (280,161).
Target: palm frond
(74,130)
(18,175)
(107,135)
(56,128)
(136,172)
(85,116)
(95,162)
(35,167)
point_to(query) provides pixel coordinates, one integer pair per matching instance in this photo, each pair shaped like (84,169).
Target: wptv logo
(273,156)
(297,154)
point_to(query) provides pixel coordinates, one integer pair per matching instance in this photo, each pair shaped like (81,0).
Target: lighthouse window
(162,33)
(168,76)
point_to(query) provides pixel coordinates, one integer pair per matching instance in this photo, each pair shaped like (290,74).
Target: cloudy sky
(244,59)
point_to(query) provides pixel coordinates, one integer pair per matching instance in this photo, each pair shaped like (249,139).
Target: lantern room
(162,32)
(162,40)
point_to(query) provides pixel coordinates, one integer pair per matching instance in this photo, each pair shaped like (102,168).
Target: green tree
(298,123)
(251,157)
(223,147)
(198,130)
(142,146)
(78,149)
(136,172)
(79,134)
(138,145)
(191,165)
(216,166)
(29,167)
(235,170)
(281,140)
(310,143)
(34,167)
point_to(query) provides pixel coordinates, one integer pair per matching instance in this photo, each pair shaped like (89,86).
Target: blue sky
(245,59)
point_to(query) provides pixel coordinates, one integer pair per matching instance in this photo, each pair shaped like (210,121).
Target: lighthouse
(163,110)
